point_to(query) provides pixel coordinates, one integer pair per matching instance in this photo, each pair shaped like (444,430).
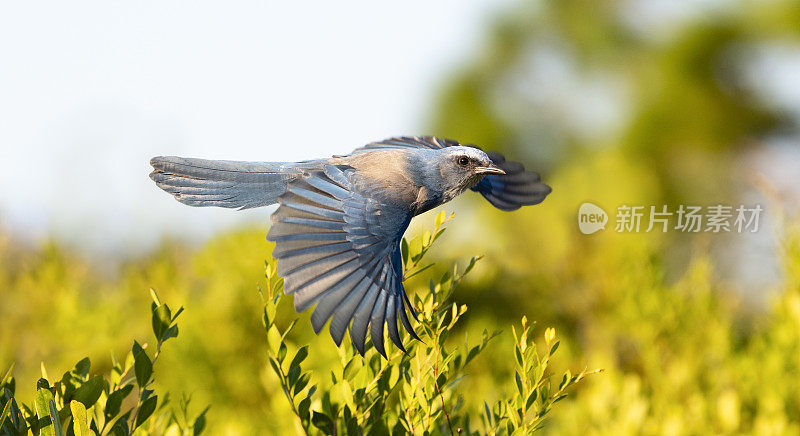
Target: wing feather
(361,317)
(377,320)
(202,182)
(346,308)
(391,322)
(337,247)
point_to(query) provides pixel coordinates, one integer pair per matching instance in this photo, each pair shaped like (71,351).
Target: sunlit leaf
(5,413)
(42,405)
(7,375)
(161,319)
(80,424)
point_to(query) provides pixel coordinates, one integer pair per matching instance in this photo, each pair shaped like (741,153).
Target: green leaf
(554,348)
(472,353)
(7,375)
(282,350)
(303,409)
(531,399)
(311,391)
(146,409)
(270,309)
(399,428)
(439,219)
(119,425)
(275,366)
(302,382)
(299,357)
(277,288)
(273,339)
(419,270)
(42,405)
(266,321)
(80,424)
(322,422)
(89,392)
(6,412)
(171,332)
(471,264)
(162,318)
(293,375)
(155,297)
(142,366)
(55,419)
(519,382)
(288,329)
(350,370)
(564,380)
(114,402)
(82,367)
(177,314)
(437,234)
(415,249)
(199,423)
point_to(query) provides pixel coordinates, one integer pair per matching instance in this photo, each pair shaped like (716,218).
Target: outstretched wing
(410,142)
(518,187)
(339,248)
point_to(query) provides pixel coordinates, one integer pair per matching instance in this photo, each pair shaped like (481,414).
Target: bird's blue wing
(431,142)
(339,248)
(518,187)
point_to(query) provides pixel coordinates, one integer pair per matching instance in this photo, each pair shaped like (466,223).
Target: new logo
(591,218)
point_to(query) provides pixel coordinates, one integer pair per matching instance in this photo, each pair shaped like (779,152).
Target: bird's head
(461,167)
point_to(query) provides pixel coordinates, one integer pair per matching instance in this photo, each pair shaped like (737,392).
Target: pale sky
(89,91)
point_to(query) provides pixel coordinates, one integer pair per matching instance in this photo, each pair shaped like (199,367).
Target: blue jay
(339,222)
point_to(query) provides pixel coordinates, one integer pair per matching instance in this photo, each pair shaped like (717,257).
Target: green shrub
(414,392)
(82,404)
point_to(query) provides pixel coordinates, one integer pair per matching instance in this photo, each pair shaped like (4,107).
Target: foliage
(417,391)
(82,405)
(681,355)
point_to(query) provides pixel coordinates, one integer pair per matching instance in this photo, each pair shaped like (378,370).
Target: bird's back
(388,176)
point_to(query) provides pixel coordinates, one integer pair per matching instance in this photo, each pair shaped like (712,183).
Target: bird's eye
(463,161)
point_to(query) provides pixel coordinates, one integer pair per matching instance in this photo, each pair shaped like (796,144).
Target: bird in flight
(339,222)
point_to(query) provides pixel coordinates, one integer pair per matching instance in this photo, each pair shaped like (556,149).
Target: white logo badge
(591,218)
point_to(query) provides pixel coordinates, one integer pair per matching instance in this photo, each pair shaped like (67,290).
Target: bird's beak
(492,169)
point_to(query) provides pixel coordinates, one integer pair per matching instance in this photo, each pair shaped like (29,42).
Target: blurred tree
(560,78)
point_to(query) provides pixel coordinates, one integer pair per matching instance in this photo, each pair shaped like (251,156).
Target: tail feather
(201,182)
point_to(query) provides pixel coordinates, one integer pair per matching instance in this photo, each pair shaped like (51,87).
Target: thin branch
(285,387)
(441,396)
